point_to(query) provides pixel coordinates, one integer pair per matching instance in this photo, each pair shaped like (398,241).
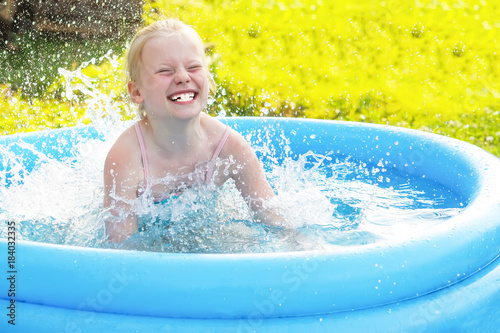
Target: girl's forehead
(172,46)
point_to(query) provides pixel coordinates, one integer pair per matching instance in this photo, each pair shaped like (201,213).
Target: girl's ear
(135,92)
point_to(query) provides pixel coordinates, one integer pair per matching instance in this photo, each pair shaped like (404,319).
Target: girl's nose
(182,76)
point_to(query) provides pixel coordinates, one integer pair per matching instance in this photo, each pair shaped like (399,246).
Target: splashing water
(346,202)
(327,201)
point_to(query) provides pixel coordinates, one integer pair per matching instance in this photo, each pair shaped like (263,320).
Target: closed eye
(165,70)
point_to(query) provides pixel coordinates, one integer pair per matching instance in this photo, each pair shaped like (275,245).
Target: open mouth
(183,97)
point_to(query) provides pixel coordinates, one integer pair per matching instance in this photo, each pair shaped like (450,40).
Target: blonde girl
(174,138)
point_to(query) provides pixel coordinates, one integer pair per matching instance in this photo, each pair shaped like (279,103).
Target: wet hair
(163,28)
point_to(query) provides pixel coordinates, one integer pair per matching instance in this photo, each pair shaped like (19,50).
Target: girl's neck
(176,136)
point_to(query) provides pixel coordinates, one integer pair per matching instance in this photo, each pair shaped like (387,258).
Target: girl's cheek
(150,82)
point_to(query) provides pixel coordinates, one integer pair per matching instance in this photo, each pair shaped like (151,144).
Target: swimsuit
(145,165)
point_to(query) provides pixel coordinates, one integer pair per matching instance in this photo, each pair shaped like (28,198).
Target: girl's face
(173,80)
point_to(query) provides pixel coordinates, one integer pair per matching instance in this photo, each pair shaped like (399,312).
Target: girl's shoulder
(235,144)
(215,127)
(211,124)
(125,150)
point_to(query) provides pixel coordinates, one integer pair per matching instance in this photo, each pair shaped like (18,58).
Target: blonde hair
(163,28)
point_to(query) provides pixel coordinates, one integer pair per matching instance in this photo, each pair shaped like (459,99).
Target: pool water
(328,201)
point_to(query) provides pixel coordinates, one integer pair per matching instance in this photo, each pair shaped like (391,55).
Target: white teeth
(183,97)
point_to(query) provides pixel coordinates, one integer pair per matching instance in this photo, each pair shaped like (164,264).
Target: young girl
(174,140)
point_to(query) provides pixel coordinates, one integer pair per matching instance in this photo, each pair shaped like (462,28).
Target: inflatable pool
(446,278)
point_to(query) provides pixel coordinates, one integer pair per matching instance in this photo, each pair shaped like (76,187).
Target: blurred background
(428,64)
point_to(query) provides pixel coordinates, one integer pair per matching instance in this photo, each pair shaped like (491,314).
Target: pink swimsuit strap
(211,166)
(144,155)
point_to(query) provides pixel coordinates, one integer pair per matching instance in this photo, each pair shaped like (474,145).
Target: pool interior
(330,199)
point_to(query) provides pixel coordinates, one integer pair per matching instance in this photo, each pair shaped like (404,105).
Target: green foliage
(34,66)
(32,88)
(430,65)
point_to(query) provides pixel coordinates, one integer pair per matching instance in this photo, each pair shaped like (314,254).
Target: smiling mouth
(183,97)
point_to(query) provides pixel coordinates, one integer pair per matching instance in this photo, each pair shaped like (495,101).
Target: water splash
(101,109)
(326,202)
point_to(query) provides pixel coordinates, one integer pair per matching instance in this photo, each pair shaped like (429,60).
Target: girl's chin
(177,110)
(184,112)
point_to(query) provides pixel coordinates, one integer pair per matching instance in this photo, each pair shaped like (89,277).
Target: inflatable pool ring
(446,278)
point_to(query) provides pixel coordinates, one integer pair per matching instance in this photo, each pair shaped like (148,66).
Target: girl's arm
(120,190)
(251,181)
